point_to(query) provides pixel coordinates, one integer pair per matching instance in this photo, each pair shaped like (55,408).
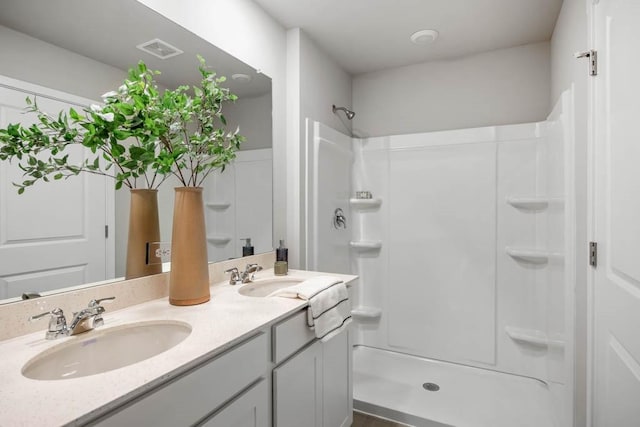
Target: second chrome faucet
(246,276)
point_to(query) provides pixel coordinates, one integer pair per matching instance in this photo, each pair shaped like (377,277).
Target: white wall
(504,86)
(242,29)
(571,35)
(316,83)
(29,59)
(255,116)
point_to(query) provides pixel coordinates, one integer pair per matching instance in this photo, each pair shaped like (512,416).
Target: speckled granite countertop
(226,320)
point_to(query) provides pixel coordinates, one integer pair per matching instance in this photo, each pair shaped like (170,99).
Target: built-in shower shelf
(529,203)
(218,206)
(533,256)
(535,204)
(365,203)
(366,245)
(219,239)
(532,337)
(366,313)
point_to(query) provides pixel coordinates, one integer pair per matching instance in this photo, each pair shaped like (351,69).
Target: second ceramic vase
(144,228)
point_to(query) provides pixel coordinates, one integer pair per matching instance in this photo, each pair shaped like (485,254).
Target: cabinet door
(251,409)
(297,390)
(336,381)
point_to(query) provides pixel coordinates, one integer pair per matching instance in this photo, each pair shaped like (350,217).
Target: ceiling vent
(159,49)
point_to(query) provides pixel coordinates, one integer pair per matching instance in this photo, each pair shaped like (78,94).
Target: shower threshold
(428,393)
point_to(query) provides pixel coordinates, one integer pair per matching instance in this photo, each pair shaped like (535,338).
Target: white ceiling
(108,32)
(369,35)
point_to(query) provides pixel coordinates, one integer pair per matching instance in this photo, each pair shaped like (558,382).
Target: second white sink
(105,350)
(264,287)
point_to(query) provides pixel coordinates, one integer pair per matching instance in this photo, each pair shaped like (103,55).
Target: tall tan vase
(144,228)
(189,277)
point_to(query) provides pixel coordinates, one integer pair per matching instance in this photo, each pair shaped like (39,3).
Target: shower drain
(431,386)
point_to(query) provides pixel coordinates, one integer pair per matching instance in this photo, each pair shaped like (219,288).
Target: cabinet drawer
(290,335)
(191,397)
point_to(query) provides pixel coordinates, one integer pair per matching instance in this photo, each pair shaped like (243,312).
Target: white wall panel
(442,251)
(520,299)
(329,164)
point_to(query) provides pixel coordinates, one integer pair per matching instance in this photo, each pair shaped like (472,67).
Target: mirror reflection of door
(52,235)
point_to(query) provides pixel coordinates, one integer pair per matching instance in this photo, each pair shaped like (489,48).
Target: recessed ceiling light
(424,36)
(241,77)
(159,49)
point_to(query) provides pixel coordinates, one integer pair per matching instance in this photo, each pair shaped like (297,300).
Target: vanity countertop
(226,320)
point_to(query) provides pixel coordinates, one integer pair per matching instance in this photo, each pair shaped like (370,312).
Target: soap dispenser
(247,249)
(281,267)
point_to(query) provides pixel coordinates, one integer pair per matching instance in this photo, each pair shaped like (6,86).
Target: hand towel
(329,309)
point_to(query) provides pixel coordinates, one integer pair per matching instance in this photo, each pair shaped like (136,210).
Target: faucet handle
(55,313)
(57,322)
(234,277)
(250,269)
(95,304)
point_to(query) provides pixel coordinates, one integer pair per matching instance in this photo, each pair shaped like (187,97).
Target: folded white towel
(329,307)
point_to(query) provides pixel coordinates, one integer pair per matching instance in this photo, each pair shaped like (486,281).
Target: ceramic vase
(189,277)
(144,228)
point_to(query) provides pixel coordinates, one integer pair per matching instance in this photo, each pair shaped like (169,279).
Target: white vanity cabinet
(313,386)
(290,380)
(234,379)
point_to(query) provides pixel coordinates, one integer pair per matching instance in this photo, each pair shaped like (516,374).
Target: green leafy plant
(138,137)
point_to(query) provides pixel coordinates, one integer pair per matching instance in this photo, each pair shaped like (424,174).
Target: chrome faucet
(246,276)
(249,272)
(84,320)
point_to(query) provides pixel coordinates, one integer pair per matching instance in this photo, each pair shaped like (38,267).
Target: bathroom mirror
(83,49)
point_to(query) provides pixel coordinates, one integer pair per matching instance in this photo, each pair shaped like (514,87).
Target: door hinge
(593,254)
(593,60)
(106,231)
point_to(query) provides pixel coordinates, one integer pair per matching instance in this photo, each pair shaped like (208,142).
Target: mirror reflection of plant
(138,134)
(116,133)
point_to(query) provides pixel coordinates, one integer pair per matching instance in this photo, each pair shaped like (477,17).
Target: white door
(616,391)
(53,235)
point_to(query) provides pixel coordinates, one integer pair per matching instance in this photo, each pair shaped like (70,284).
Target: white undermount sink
(265,287)
(101,351)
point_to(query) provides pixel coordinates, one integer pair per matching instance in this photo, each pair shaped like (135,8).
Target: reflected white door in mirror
(53,235)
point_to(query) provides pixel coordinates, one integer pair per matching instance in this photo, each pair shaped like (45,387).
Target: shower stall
(464,246)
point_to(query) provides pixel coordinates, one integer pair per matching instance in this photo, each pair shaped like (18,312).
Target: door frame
(592,169)
(56,95)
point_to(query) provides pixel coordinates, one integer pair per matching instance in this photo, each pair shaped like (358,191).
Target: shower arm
(350,114)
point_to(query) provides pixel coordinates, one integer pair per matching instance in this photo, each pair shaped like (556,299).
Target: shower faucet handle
(339,220)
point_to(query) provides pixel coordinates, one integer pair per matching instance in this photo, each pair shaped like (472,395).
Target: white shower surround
(466,255)
(238,204)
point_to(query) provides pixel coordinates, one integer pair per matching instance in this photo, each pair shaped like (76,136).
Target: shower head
(350,114)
